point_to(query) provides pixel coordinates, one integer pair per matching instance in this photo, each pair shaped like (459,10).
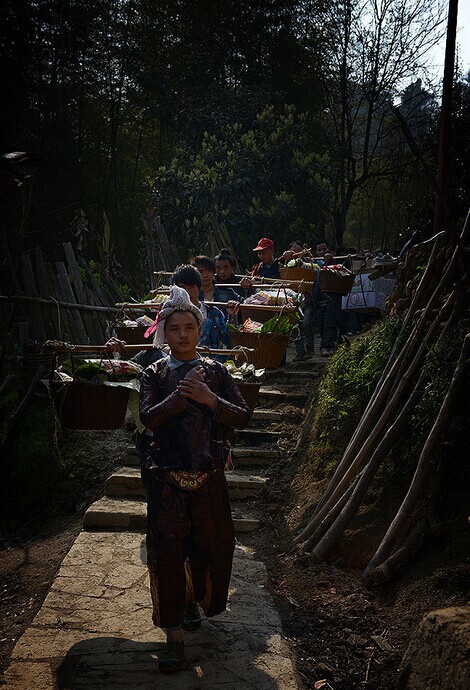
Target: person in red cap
(268,266)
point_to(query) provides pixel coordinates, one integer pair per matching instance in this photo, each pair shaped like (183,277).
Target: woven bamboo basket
(334,281)
(133,335)
(33,358)
(86,405)
(269,348)
(249,392)
(305,276)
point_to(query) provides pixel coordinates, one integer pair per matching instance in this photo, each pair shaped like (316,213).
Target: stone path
(94,629)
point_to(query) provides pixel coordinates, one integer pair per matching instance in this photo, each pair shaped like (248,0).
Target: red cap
(264,243)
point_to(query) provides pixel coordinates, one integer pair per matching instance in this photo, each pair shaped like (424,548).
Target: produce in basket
(246,372)
(96,371)
(299,263)
(157,299)
(140,321)
(248,326)
(282,326)
(273,297)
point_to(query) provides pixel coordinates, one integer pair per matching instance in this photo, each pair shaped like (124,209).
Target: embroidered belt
(189,481)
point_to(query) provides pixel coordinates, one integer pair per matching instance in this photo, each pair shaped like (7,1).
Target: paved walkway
(94,629)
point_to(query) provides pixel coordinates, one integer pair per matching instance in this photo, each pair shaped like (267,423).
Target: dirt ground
(342,635)
(26,573)
(31,556)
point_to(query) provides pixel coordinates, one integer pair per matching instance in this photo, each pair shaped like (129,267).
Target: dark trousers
(142,446)
(307,331)
(190,545)
(332,320)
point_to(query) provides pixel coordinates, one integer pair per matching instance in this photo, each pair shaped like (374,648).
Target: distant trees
(112,92)
(259,180)
(371,48)
(108,90)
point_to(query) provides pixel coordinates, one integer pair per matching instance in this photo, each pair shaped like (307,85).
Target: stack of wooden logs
(438,304)
(64,300)
(161,254)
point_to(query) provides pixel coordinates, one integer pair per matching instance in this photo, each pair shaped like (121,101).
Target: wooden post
(147,221)
(65,325)
(90,319)
(446,113)
(70,297)
(39,329)
(45,289)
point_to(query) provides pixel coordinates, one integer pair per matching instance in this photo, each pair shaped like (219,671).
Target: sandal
(191,617)
(171,659)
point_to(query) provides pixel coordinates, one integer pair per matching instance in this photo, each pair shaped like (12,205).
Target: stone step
(246,456)
(130,460)
(257,436)
(127,482)
(276,395)
(130,515)
(306,375)
(260,415)
(253,457)
(316,362)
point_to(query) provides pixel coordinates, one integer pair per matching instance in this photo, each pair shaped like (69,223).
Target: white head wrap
(177,301)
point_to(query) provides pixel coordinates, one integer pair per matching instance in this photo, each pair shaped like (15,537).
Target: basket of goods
(302,271)
(269,340)
(336,278)
(245,376)
(91,394)
(275,297)
(35,356)
(132,332)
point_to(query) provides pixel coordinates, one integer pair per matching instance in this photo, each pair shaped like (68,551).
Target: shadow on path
(113,663)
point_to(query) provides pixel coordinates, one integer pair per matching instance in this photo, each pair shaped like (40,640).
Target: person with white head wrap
(190,404)
(177,301)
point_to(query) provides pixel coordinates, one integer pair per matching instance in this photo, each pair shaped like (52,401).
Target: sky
(463,42)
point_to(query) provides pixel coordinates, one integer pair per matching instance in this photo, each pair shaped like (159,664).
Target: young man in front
(190,403)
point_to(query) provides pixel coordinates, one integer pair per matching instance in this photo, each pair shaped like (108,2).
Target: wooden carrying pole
(165,289)
(261,307)
(68,348)
(54,302)
(269,281)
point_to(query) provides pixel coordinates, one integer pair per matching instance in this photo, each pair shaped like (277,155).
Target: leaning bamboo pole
(323,540)
(425,463)
(372,440)
(332,527)
(385,388)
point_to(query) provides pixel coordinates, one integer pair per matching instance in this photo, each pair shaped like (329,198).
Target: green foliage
(339,400)
(96,275)
(348,383)
(42,482)
(125,291)
(282,326)
(350,380)
(261,180)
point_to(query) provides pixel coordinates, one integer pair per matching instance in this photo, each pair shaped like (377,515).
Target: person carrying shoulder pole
(190,403)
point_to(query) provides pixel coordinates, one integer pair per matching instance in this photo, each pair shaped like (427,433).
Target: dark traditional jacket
(188,435)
